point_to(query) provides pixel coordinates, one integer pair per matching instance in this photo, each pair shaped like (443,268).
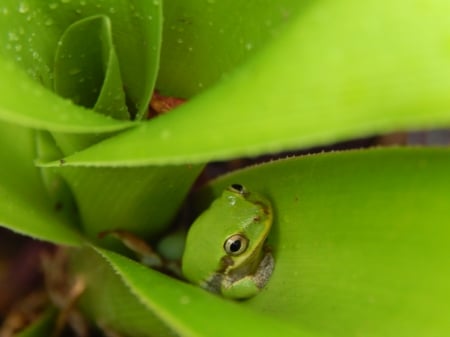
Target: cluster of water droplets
(25,45)
(19,41)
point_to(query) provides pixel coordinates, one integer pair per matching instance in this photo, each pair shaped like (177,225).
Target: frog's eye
(235,244)
(238,188)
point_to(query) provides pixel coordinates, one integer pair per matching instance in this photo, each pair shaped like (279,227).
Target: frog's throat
(261,275)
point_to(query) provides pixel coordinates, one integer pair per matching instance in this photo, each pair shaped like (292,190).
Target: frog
(226,250)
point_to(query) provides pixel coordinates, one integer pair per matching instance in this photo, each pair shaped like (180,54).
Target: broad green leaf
(186,309)
(205,40)
(342,69)
(27,103)
(360,241)
(143,200)
(24,203)
(140,199)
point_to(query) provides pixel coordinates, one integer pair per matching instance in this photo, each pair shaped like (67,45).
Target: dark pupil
(235,246)
(238,187)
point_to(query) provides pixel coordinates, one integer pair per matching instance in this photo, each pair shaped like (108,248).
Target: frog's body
(225,248)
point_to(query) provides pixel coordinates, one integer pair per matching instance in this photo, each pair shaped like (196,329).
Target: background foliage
(359,237)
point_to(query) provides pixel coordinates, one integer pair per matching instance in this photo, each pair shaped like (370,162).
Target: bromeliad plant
(359,239)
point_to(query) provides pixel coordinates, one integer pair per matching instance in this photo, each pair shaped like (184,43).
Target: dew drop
(231,200)
(12,36)
(23,7)
(185,300)
(74,71)
(166,134)
(31,72)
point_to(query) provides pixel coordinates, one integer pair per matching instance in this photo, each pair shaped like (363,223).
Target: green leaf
(87,70)
(340,70)
(29,35)
(360,241)
(24,203)
(203,43)
(57,189)
(27,103)
(107,301)
(173,303)
(140,199)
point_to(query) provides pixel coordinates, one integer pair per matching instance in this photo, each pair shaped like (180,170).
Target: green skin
(233,274)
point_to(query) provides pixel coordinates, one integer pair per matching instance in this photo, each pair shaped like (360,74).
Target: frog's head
(227,237)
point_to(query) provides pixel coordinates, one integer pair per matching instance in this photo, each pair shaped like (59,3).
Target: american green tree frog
(226,250)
